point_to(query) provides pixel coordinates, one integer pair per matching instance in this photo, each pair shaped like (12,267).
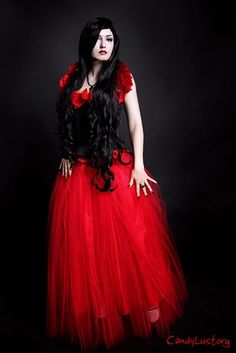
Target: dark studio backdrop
(182,55)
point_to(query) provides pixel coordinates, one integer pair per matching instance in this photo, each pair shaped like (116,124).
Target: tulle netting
(112,261)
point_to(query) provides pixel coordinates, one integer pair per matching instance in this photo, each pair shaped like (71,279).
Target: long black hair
(104,110)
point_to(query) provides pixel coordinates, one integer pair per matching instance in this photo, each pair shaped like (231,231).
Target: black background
(182,56)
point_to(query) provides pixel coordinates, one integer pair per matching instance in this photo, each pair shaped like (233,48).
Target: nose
(102,43)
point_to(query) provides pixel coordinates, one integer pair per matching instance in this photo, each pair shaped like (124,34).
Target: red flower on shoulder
(65,79)
(124,81)
(79,98)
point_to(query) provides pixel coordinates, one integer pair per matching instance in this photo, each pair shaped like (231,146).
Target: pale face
(104,45)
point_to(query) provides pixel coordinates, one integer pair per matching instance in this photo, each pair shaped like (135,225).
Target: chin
(99,58)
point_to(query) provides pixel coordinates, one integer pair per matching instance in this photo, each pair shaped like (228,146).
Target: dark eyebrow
(107,35)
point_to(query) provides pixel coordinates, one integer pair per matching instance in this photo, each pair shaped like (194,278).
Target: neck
(97,65)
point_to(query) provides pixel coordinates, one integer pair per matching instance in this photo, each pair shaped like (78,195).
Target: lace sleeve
(66,134)
(65,120)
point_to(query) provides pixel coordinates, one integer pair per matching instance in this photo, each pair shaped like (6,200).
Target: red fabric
(79,98)
(124,81)
(65,79)
(111,257)
(123,84)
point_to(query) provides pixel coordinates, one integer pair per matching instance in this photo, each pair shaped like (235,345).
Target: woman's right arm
(65,127)
(66,137)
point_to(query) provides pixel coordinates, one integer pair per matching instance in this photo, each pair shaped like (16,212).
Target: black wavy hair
(104,110)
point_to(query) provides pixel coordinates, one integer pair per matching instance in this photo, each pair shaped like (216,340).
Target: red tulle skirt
(113,268)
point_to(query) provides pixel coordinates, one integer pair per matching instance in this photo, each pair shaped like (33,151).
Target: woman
(113,269)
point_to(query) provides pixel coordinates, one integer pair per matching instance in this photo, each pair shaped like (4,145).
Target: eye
(109,39)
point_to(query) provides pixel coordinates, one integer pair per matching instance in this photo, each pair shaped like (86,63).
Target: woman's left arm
(138,175)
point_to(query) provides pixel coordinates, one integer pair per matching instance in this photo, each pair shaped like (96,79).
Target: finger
(149,178)
(69,168)
(60,165)
(131,182)
(144,191)
(148,185)
(66,170)
(137,189)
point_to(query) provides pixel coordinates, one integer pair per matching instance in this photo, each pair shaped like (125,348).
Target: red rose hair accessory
(65,79)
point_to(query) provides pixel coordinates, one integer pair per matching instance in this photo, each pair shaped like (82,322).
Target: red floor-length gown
(111,256)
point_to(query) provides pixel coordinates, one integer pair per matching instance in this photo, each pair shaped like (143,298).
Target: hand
(65,165)
(140,177)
